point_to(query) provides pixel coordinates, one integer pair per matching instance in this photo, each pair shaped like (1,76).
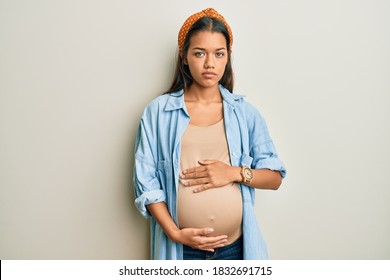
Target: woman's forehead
(208,39)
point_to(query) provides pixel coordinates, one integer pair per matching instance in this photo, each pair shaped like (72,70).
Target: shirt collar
(229,97)
(176,99)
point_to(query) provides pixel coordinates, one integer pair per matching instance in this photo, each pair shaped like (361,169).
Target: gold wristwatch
(246,174)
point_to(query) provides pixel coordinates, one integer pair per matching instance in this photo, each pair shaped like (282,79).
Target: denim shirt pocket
(164,173)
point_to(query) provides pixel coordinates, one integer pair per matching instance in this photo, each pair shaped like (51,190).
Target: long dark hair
(182,78)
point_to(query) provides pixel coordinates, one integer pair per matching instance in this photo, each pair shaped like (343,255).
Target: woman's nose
(209,63)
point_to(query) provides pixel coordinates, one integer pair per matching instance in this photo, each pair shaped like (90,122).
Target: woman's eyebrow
(203,49)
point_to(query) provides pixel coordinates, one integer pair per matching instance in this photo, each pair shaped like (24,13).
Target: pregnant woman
(201,151)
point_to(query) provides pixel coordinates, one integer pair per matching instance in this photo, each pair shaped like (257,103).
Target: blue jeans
(232,251)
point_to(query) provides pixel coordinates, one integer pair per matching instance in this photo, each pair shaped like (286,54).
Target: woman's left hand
(211,174)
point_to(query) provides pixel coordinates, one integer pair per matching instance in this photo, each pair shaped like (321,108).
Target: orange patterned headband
(210,12)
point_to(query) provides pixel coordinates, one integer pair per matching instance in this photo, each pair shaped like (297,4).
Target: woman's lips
(209,75)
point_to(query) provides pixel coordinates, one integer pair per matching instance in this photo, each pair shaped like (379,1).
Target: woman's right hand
(197,238)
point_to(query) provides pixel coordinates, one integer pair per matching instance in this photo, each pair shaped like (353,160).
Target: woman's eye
(199,54)
(219,54)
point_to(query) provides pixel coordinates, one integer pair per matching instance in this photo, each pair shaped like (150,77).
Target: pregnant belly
(217,208)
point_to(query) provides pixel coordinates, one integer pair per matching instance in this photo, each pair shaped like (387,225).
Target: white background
(76,75)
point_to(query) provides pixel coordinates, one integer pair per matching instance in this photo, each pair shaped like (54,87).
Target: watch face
(248,173)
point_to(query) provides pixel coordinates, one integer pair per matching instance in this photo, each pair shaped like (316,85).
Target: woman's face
(206,58)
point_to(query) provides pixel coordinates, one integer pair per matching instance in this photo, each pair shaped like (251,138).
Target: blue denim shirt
(157,162)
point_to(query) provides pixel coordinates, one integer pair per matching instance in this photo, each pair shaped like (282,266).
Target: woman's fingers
(210,242)
(197,238)
(211,174)
(211,246)
(196,182)
(194,170)
(202,231)
(194,174)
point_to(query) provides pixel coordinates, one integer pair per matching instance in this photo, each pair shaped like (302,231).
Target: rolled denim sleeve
(147,186)
(262,148)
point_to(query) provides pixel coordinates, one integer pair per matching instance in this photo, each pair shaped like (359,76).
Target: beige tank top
(218,208)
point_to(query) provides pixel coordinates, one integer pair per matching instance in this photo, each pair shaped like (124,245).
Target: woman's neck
(196,93)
